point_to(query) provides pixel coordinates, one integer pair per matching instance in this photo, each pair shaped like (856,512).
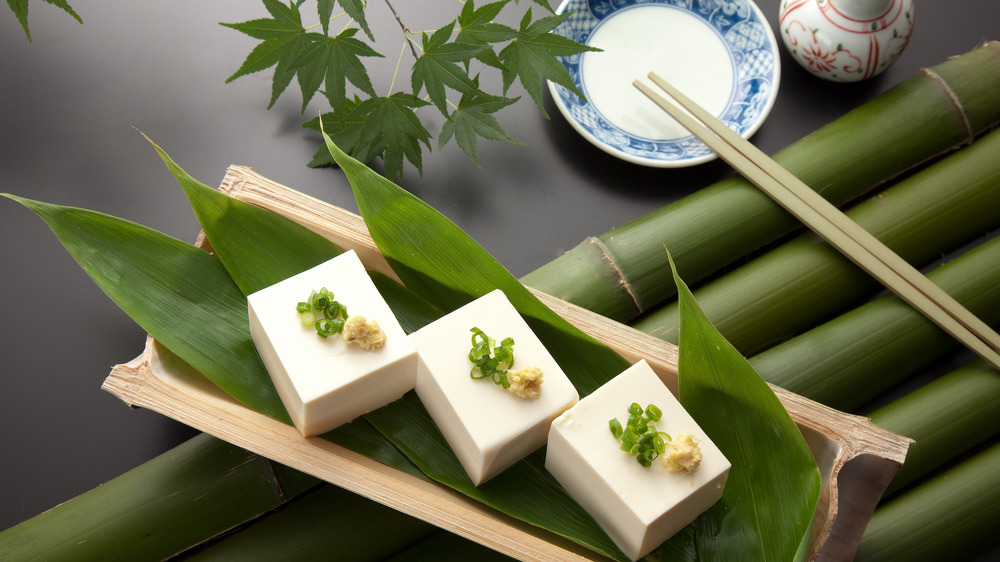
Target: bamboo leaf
(259,248)
(437,260)
(180,294)
(777,482)
(243,234)
(771,463)
(440,262)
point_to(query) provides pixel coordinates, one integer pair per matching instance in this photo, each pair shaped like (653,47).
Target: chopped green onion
(333,313)
(640,439)
(653,413)
(616,428)
(308,319)
(490,361)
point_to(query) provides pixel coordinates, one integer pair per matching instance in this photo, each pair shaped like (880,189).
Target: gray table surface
(71,102)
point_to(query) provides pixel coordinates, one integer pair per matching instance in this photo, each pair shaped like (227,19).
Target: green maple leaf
(378,126)
(533,54)
(476,27)
(438,67)
(20,9)
(393,129)
(283,39)
(345,128)
(336,60)
(356,10)
(312,57)
(472,119)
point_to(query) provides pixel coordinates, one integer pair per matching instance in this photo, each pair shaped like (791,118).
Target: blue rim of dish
(756,69)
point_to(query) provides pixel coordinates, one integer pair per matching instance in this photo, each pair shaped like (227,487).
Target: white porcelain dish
(721,53)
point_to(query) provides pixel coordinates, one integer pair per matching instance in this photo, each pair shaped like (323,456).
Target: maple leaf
(473,118)
(393,127)
(438,66)
(336,60)
(282,41)
(378,126)
(476,27)
(344,127)
(533,54)
(20,9)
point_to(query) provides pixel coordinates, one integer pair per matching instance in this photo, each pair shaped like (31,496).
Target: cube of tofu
(639,507)
(486,426)
(326,382)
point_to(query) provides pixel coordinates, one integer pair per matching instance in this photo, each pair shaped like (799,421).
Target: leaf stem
(406,30)
(399,59)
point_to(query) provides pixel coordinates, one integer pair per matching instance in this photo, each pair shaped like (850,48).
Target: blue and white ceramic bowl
(721,53)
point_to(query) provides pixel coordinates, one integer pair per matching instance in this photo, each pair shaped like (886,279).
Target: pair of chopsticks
(829,222)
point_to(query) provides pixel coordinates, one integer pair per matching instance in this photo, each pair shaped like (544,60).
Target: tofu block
(324,382)
(486,426)
(638,507)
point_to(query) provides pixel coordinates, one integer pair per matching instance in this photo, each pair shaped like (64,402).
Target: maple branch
(406,30)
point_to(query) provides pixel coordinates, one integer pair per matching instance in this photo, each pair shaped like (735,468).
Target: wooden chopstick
(830,223)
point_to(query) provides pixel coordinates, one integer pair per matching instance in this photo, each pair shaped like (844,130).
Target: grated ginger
(363,332)
(526,382)
(684,454)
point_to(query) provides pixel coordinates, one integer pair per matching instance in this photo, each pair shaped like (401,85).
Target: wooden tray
(856,458)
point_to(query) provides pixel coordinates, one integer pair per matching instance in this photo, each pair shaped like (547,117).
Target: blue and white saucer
(721,53)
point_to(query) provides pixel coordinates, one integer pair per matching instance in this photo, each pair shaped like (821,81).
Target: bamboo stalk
(945,418)
(823,218)
(329,522)
(950,517)
(804,281)
(185,496)
(858,355)
(620,273)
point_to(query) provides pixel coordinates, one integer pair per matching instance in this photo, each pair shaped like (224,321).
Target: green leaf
(180,294)
(393,130)
(283,39)
(242,233)
(20,9)
(532,55)
(770,497)
(438,67)
(476,26)
(437,260)
(346,128)
(259,248)
(356,10)
(473,118)
(336,60)
(325,10)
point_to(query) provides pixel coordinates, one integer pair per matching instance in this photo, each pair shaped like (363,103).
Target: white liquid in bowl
(678,46)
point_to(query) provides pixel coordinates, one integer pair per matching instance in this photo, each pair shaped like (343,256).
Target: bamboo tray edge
(857,459)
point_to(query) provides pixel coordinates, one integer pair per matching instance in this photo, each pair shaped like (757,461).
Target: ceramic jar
(846,40)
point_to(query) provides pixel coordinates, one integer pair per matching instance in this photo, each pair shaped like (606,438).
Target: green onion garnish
(639,438)
(490,360)
(322,312)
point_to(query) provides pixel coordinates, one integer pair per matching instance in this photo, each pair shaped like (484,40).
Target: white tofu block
(638,507)
(324,382)
(486,426)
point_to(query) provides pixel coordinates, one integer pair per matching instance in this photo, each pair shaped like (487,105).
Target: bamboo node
(957,103)
(621,275)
